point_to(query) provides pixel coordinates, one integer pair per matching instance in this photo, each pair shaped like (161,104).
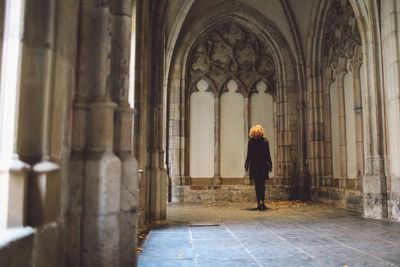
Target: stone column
(158,185)
(129,185)
(327,131)
(342,122)
(102,190)
(101,230)
(246,179)
(123,132)
(76,182)
(37,87)
(390,21)
(217,137)
(13,177)
(374,179)
(357,61)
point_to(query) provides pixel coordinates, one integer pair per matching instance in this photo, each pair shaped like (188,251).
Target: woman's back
(258,151)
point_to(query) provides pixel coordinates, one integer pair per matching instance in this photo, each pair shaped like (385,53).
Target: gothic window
(231,78)
(342,56)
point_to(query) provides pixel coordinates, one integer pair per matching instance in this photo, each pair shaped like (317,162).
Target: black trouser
(260,188)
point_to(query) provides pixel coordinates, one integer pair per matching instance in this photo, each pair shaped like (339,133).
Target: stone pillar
(123,132)
(357,61)
(75,182)
(101,209)
(158,183)
(327,133)
(246,178)
(217,137)
(36,87)
(374,179)
(129,186)
(390,23)
(342,121)
(13,177)
(102,190)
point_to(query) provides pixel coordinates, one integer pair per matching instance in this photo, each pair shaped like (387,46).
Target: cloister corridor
(120,117)
(287,234)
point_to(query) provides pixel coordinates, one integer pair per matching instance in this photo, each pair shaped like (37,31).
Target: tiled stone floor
(288,234)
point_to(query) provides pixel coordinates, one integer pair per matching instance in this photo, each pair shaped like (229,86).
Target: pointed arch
(286,96)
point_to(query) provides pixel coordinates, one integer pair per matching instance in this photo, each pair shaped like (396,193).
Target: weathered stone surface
(337,196)
(235,193)
(102,184)
(127,223)
(101,245)
(129,185)
(47,248)
(16,247)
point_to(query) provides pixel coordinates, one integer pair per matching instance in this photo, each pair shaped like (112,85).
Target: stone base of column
(128,214)
(394,205)
(186,180)
(44,194)
(246,180)
(13,197)
(374,197)
(73,213)
(217,180)
(101,211)
(158,198)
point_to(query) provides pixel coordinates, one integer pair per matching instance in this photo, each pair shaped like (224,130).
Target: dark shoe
(262,207)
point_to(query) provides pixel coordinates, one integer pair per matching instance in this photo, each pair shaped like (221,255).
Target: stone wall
(235,193)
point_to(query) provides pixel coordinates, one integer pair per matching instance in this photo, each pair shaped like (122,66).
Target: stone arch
(286,83)
(319,78)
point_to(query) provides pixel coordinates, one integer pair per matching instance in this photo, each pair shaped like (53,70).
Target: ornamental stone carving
(341,36)
(229,52)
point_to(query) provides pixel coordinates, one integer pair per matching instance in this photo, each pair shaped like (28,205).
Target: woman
(259,161)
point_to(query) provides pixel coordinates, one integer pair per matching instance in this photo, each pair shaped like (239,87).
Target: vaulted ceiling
(291,17)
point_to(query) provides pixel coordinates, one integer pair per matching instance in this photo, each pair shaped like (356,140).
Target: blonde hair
(256,131)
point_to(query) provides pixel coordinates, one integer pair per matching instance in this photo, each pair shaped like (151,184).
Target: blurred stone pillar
(36,90)
(101,209)
(390,23)
(13,176)
(123,147)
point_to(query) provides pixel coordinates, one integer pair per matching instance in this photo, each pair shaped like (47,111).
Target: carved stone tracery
(230,52)
(342,36)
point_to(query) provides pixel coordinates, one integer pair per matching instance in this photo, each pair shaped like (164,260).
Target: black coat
(258,158)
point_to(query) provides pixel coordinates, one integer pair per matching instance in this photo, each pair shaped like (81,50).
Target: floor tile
(227,263)
(286,235)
